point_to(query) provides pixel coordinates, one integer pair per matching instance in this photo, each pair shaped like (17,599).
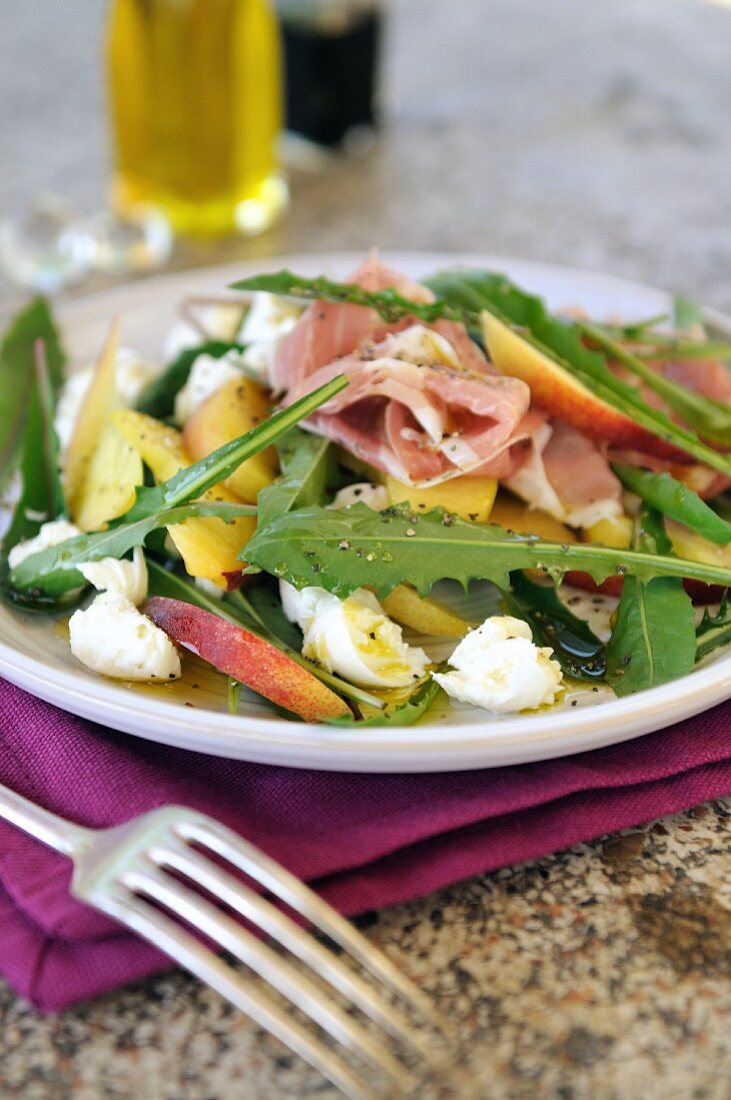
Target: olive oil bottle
(195,96)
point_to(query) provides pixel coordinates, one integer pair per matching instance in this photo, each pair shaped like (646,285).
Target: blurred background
(595,135)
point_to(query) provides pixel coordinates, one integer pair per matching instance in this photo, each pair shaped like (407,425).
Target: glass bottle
(195,92)
(330,57)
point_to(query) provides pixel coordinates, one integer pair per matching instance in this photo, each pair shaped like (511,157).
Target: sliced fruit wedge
(247,658)
(113,473)
(228,413)
(470,497)
(99,400)
(208,546)
(559,392)
(424,614)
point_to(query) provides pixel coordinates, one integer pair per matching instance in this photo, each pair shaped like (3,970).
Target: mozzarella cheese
(132,373)
(207,375)
(498,667)
(269,318)
(365,492)
(128,578)
(219,322)
(50,534)
(353,637)
(111,636)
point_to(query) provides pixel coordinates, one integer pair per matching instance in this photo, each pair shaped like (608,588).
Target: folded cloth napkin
(363,841)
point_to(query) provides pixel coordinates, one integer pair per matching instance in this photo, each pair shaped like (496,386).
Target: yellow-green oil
(195,96)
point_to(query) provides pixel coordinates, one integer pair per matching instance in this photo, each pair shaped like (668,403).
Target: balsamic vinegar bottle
(330,53)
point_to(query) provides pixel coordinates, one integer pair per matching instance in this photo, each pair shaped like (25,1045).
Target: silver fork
(131,872)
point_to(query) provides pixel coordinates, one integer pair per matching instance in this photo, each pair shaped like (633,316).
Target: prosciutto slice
(413,411)
(329,330)
(567,476)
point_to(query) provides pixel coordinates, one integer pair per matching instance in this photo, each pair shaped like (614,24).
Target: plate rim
(425,747)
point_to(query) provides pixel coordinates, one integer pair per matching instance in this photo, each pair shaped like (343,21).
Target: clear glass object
(41,249)
(195,95)
(49,246)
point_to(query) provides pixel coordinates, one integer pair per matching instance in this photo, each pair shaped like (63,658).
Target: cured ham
(413,411)
(328,330)
(567,476)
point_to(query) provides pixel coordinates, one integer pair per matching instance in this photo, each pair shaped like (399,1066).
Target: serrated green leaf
(263,602)
(673,498)
(347,549)
(562,341)
(32,323)
(653,638)
(307,463)
(710,418)
(45,398)
(686,314)
(50,573)
(388,303)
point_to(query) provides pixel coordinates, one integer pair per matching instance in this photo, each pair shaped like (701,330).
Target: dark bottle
(330,51)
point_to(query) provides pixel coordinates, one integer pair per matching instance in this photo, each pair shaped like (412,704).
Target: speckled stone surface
(595,135)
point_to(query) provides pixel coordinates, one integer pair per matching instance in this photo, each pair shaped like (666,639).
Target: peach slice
(515,515)
(616,532)
(247,658)
(209,546)
(99,400)
(553,388)
(227,414)
(424,614)
(469,497)
(113,473)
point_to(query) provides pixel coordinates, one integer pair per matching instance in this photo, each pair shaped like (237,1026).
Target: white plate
(35,655)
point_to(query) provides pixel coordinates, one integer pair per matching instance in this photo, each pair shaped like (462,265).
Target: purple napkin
(364,841)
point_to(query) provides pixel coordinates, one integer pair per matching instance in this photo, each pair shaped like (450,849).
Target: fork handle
(53,830)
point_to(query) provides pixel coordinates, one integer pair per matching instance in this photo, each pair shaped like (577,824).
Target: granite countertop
(598,138)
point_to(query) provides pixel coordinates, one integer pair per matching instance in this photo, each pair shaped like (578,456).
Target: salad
(289,494)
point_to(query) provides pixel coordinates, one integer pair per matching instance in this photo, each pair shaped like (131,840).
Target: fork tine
(232,937)
(278,881)
(169,937)
(250,905)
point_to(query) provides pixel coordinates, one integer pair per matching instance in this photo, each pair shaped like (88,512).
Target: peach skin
(553,388)
(247,658)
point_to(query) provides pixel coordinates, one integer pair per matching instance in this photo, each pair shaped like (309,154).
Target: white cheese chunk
(128,578)
(498,667)
(219,321)
(365,492)
(50,534)
(112,637)
(207,375)
(269,318)
(353,637)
